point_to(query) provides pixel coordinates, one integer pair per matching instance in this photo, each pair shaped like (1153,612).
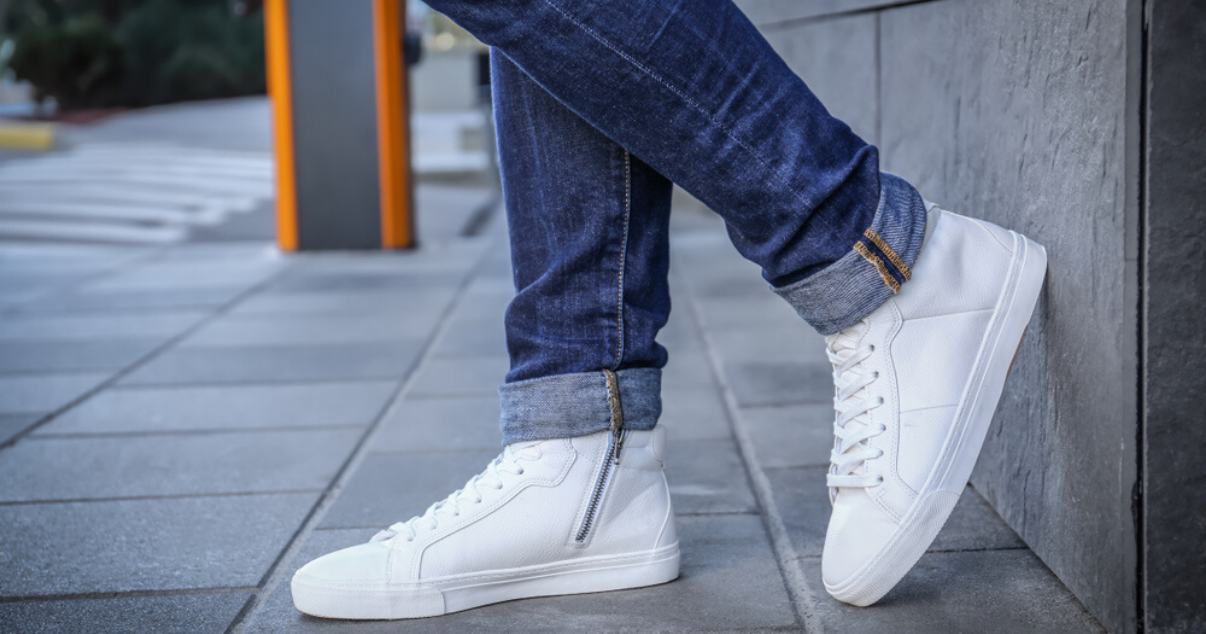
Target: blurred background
(146,121)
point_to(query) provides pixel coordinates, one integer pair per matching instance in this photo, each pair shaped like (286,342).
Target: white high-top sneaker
(563,516)
(917,382)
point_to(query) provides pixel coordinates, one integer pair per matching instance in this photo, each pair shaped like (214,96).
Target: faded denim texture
(599,105)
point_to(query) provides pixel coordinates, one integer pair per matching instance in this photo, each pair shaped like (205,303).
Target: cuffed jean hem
(844,292)
(568,405)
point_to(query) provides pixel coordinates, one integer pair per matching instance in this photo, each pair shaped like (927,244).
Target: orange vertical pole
(393,125)
(280,91)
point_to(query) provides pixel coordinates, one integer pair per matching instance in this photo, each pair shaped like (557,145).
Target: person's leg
(578,501)
(697,93)
(590,252)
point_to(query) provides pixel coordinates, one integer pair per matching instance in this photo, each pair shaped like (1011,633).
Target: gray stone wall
(1023,113)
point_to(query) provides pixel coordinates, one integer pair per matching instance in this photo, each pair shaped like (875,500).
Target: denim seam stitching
(878,241)
(879,265)
(783,178)
(623,258)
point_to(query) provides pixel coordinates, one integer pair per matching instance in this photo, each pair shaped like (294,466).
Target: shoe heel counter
(668,533)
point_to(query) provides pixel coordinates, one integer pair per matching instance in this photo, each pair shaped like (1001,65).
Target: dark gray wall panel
(335,124)
(837,59)
(1020,118)
(1175,294)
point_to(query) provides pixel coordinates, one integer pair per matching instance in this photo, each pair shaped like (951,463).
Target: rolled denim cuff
(877,265)
(567,405)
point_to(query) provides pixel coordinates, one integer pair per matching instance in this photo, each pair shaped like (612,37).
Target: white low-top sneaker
(917,382)
(563,516)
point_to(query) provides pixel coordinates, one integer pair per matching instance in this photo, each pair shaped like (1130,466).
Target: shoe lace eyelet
(871,347)
(875,374)
(879,480)
(879,401)
(520,472)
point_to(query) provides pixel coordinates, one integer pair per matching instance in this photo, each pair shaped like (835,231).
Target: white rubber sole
(973,417)
(462,592)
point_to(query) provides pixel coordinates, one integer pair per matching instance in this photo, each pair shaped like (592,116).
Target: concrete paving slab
(764,311)
(97,326)
(441,424)
(158,544)
(389,282)
(476,309)
(791,435)
(764,383)
(115,467)
(278,364)
(140,301)
(69,356)
(982,592)
(689,369)
(797,343)
(729,582)
(708,476)
(45,392)
(231,331)
(13,424)
(271,302)
(482,340)
(187,275)
(693,414)
(803,502)
(394,487)
(187,614)
(467,376)
(228,407)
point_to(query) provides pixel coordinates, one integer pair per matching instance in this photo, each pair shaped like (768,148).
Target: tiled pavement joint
(799,592)
(274,576)
(154,352)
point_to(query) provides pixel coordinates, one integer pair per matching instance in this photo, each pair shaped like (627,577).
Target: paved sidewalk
(184,426)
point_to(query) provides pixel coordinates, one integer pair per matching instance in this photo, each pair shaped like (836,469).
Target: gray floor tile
(469,376)
(767,311)
(803,502)
(13,424)
(795,344)
(75,327)
(393,487)
(689,370)
(134,301)
(792,435)
(270,302)
(441,424)
(693,414)
(985,592)
(708,476)
(729,581)
(325,329)
(121,466)
(162,544)
(161,275)
(189,614)
(278,364)
(481,340)
(228,407)
(758,383)
(69,356)
(45,392)
(385,282)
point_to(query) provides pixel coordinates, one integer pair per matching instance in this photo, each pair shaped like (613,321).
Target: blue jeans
(600,105)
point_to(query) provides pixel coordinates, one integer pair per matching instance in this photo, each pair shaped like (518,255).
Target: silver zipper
(610,460)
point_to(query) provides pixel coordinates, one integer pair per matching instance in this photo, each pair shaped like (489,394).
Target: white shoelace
(851,428)
(507,461)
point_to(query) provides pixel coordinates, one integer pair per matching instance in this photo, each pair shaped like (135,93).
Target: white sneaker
(916,386)
(563,516)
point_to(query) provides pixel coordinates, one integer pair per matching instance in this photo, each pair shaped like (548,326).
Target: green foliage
(92,54)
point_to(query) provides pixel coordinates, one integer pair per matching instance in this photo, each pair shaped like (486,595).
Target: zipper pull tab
(617,415)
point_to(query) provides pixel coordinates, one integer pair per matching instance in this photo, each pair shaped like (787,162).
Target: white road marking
(128,193)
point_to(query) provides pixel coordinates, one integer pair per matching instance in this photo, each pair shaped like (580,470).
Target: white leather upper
(926,340)
(532,519)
